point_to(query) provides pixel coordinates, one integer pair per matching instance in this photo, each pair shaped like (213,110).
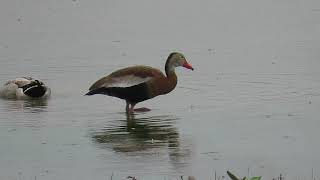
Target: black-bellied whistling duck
(139,83)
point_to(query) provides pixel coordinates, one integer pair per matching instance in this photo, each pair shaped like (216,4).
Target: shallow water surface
(251,105)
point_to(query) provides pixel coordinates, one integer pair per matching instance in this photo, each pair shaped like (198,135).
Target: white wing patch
(126,81)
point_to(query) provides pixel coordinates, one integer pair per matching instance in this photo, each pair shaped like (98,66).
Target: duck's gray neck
(169,68)
(170,81)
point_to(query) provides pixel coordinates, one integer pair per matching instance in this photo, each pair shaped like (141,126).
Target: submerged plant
(233,177)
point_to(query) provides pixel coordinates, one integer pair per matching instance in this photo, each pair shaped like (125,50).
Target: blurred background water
(251,105)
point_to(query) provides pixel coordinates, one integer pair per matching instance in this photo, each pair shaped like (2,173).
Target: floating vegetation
(234,177)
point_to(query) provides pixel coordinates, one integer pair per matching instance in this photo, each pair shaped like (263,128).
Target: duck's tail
(90,93)
(98,91)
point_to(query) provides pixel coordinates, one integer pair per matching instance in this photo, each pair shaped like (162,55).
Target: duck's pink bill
(187,65)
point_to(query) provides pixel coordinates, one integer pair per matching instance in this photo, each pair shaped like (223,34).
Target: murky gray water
(252,103)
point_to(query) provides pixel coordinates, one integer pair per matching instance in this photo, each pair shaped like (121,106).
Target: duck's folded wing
(128,77)
(126,81)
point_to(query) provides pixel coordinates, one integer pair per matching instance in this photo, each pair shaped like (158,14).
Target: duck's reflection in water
(29,105)
(144,136)
(23,113)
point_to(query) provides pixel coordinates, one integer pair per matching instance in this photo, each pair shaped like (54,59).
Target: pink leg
(128,109)
(143,109)
(131,109)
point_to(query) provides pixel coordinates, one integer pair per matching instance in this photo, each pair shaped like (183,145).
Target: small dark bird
(24,88)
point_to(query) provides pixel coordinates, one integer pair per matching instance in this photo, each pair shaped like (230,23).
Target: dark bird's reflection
(138,134)
(30,105)
(24,113)
(143,135)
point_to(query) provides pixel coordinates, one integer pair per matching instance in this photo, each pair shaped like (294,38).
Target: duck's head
(34,89)
(176,59)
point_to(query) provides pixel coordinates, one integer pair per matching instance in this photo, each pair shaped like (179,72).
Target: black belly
(133,94)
